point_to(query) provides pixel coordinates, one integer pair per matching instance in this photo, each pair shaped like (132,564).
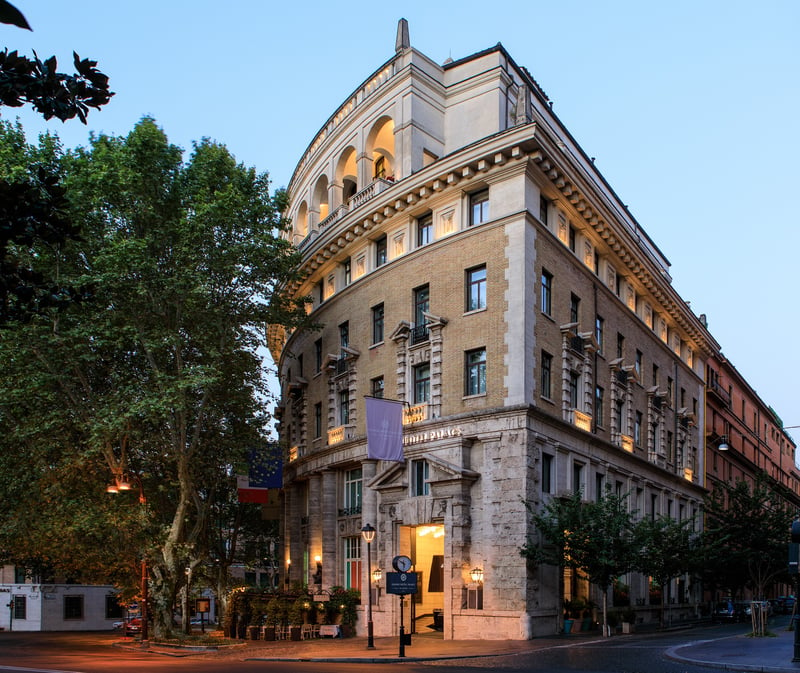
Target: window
(422,383)
(380,251)
(20,607)
(344,336)
(547,473)
(347,269)
(73,607)
(422,304)
(318,356)
(619,408)
(352,562)
(637,429)
(479,207)
(380,167)
(351,502)
(476,288)
(547,375)
(547,292)
(377,324)
(376,387)
(344,407)
(577,477)
(599,482)
(420,472)
(543,210)
(599,405)
(620,345)
(599,324)
(637,365)
(655,375)
(574,384)
(318,419)
(475,372)
(573,238)
(424,230)
(574,308)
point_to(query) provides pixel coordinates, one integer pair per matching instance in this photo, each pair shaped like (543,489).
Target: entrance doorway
(425,546)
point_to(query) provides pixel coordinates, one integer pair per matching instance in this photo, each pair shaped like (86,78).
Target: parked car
(133,626)
(730,611)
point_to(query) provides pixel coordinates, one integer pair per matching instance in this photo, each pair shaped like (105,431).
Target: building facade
(466,257)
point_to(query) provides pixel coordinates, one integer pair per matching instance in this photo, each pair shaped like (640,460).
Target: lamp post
(368,533)
(120,483)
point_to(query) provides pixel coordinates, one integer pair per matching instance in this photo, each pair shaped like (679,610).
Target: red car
(133,626)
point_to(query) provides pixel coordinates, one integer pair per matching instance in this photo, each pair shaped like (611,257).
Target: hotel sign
(432,436)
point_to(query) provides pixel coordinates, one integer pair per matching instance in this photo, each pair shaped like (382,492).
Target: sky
(690,108)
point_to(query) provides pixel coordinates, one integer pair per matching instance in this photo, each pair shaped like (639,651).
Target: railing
(374,188)
(576,344)
(419,412)
(342,365)
(337,214)
(420,334)
(350,511)
(581,420)
(719,391)
(340,434)
(626,442)
(622,376)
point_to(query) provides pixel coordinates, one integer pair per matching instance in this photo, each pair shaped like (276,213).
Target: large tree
(157,382)
(594,537)
(746,535)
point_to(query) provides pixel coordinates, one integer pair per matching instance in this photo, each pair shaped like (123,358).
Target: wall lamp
(723,443)
(376,575)
(318,574)
(477,575)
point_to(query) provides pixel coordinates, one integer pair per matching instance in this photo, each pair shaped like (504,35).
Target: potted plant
(272,617)
(295,616)
(568,621)
(628,617)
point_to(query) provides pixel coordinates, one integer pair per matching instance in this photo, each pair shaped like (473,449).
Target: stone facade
(465,256)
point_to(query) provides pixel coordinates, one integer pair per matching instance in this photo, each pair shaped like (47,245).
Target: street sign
(401,584)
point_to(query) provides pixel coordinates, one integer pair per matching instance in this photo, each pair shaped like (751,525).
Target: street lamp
(368,533)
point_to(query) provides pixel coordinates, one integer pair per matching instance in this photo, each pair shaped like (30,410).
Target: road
(94,653)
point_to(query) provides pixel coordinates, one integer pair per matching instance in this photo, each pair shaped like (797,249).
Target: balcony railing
(626,442)
(576,344)
(372,190)
(715,388)
(350,511)
(581,420)
(420,334)
(340,434)
(415,414)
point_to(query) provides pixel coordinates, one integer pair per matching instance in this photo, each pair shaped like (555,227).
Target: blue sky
(690,108)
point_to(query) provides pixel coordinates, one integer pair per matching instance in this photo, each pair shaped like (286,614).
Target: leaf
(11,15)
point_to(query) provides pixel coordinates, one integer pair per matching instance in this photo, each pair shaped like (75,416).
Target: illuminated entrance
(425,546)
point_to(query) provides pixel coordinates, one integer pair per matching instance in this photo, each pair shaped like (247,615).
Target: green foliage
(159,377)
(746,535)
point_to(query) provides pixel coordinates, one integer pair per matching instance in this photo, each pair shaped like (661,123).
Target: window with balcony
(599,405)
(424,230)
(422,383)
(344,336)
(547,293)
(637,364)
(376,387)
(377,324)
(475,375)
(479,207)
(318,420)
(574,387)
(476,288)
(318,356)
(352,492)
(344,407)
(620,345)
(637,429)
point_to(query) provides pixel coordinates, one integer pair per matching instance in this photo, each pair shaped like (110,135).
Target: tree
(159,378)
(32,205)
(746,535)
(664,550)
(594,537)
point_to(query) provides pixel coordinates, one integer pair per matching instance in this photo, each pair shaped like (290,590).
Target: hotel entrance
(425,546)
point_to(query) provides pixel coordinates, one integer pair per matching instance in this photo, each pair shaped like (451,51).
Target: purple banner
(384,429)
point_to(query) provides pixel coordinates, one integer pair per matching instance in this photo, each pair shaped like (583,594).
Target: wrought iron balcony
(420,334)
